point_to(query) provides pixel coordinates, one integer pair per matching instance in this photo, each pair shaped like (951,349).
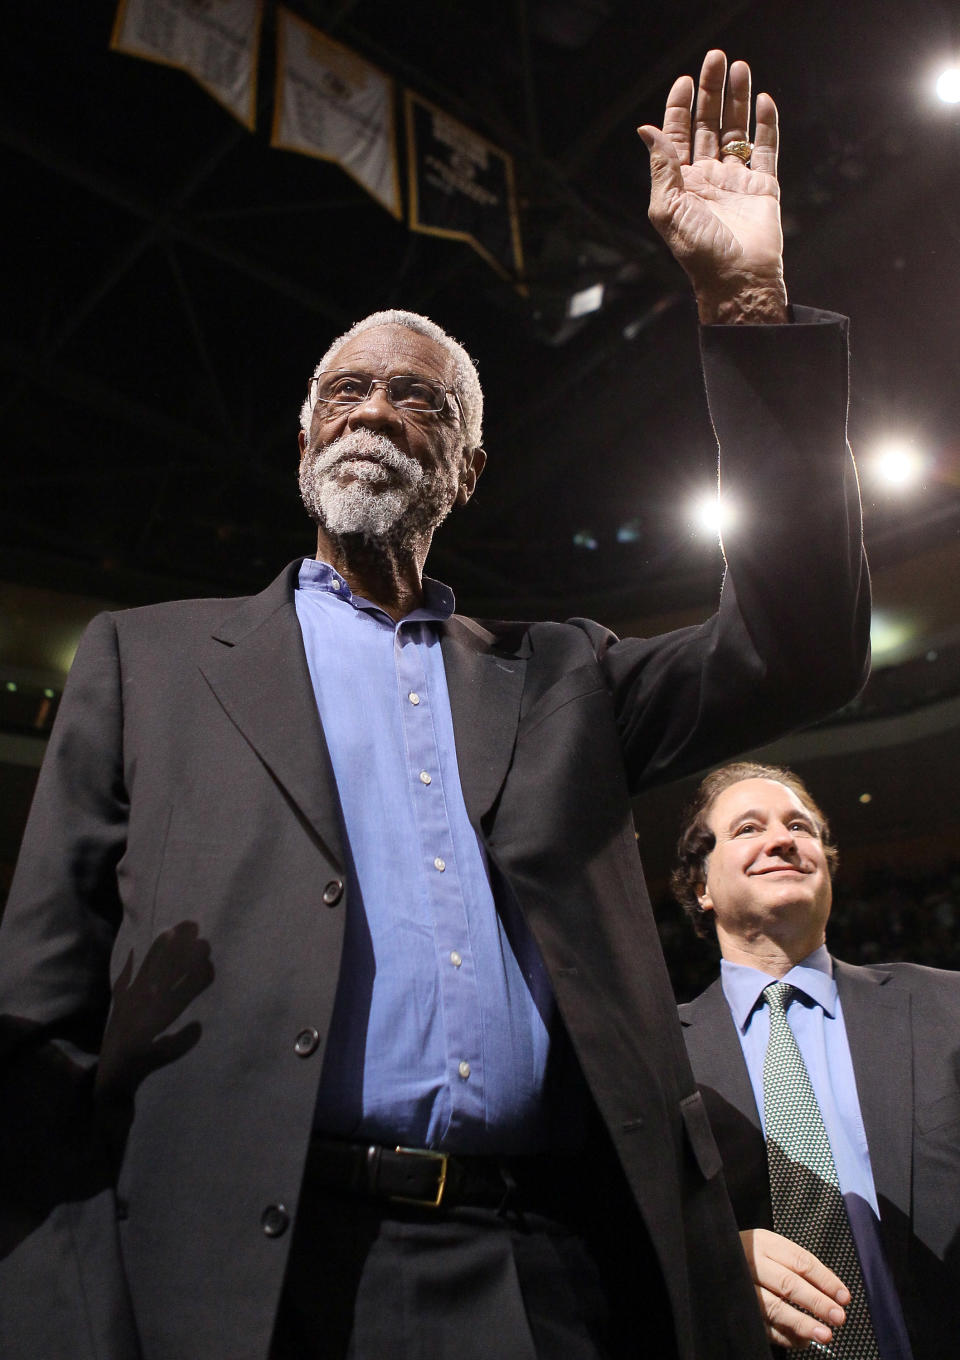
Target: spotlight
(713,516)
(948,85)
(896,465)
(890,637)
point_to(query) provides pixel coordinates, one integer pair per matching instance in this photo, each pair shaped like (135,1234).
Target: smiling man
(333,1019)
(832,1090)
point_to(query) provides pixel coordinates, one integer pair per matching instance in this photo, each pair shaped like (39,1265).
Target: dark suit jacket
(187,805)
(903,1026)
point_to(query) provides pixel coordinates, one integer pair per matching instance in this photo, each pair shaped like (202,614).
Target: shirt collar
(743,986)
(438,599)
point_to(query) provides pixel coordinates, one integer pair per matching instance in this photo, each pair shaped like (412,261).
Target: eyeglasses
(405,391)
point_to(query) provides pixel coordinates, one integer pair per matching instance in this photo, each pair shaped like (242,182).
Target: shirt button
(455,958)
(306,1042)
(333,892)
(334,585)
(463,1069)
(275,1220)
(440,864)
(425,778)
(414,697)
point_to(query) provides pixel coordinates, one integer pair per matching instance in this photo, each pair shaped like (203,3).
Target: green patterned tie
(808,1207)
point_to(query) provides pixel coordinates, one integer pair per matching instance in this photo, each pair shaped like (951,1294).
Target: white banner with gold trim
(215,41)
(335,105)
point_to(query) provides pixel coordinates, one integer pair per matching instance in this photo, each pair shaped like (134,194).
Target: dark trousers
(369,1281)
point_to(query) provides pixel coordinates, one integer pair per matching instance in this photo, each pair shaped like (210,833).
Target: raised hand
(720,217)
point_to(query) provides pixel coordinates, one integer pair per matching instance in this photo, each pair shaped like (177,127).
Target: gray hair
(466,384)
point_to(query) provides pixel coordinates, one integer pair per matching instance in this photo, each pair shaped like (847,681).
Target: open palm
(720,219)
(725,217)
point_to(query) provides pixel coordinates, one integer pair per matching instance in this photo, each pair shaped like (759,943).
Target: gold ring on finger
(742,150)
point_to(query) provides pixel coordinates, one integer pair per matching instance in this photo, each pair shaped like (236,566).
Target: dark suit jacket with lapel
(903,1026)
(187,804)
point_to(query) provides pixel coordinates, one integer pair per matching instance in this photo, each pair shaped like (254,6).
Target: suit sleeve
(64,906)
(57,935)
(62,1285)
(789,642)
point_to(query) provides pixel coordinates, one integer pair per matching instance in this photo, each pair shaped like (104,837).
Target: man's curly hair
(697,840)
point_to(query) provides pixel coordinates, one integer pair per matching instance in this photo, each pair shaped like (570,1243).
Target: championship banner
(332,104)
(461,186)
(215,41)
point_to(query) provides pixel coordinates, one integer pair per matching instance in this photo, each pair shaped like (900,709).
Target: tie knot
(777,996)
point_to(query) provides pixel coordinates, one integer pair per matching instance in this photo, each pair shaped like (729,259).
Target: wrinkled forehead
(386,350)
(762,797)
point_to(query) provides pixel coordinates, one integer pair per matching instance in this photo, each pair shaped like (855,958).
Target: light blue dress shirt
(441,1031)
(816,1018)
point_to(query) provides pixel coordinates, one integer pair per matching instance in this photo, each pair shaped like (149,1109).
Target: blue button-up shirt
(441,1029)
(816,1017)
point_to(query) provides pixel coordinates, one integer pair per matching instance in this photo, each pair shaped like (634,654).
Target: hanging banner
(215,41)
(332,104)
(461,186)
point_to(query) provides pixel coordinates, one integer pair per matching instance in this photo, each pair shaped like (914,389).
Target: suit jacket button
(333,892)
(274,1220)
(307,1042)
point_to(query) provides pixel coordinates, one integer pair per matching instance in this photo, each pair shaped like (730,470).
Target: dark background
(169,280)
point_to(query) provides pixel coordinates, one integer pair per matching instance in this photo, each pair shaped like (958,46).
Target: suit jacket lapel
(261,678)
(485,683)
(721,1073)
(876,1013)
(259,675)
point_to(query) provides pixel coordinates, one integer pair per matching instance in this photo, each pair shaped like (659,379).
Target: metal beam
(175,224)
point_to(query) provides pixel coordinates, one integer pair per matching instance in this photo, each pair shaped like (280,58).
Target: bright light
(896,465)
(713,516)
(586,301)
(948,85)
(889,636)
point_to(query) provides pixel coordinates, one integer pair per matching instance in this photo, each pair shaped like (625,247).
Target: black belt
(415,1176)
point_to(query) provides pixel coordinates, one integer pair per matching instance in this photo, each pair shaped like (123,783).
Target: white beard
(386,499)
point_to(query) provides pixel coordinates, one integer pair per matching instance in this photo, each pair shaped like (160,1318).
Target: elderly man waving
(330,985)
